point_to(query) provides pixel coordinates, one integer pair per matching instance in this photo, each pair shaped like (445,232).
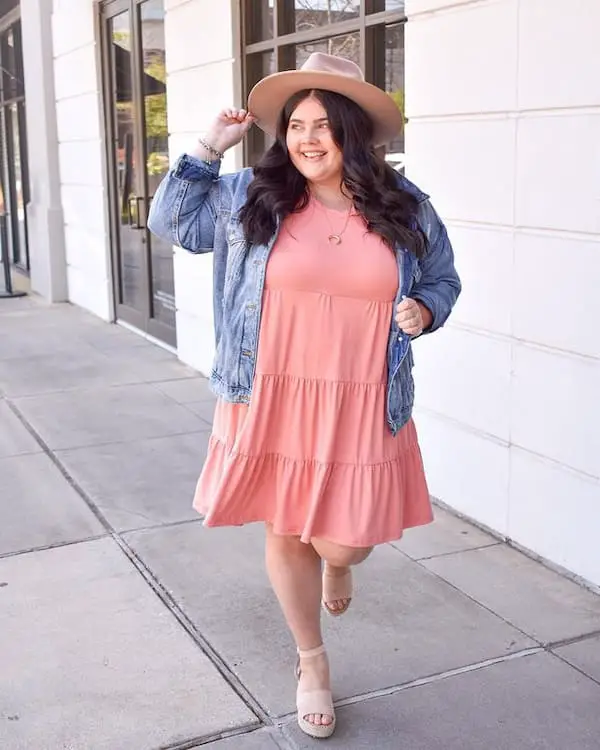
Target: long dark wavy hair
(278,189)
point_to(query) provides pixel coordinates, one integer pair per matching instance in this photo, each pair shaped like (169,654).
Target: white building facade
(502,99)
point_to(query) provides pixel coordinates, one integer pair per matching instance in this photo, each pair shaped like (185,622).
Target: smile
(313,154)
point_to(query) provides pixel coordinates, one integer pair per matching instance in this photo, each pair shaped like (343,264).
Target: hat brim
(269,96)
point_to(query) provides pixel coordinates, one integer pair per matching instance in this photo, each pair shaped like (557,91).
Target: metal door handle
(134,213)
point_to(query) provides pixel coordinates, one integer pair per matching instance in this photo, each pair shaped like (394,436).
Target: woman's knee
(339,555)
(285,544)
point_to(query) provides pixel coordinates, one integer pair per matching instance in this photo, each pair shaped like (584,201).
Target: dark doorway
(136,108)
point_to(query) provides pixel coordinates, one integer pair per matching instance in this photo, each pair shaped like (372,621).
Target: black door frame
(142,320)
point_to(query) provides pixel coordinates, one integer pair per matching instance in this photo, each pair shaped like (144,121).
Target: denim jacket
(198,210)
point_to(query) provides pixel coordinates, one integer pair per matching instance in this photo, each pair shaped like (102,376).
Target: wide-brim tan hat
(331,73)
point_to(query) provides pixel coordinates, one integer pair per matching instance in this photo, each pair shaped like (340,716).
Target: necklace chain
(336,237)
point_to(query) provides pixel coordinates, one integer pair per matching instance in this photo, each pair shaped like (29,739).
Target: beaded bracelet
(210,149)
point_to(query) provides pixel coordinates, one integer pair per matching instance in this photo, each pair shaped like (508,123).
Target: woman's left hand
(410,318)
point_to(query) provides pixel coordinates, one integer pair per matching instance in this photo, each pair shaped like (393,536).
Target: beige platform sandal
(336,588)
(314,702)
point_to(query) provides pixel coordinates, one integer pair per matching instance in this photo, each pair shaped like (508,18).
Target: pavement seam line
(56,545)
(151,438)
(165,525)
(575,639)
(186,405)
(285,733)
(283,741)
(61,468)
(433,679)
(563,572)
(570,642)
(103,443)
(576,668)
(158,589)
(495,543)
(98,386)
(475,601)
(283,720)
(547,645)
(194,742)
(205,646)
(18,455)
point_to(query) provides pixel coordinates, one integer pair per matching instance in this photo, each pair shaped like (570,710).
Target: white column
(201,57)
(45,215)
(82,154)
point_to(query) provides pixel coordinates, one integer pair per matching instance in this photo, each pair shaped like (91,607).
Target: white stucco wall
(503,98)
(81,154)
(203,77)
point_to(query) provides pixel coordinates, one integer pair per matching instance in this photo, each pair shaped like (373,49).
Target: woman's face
(311,146)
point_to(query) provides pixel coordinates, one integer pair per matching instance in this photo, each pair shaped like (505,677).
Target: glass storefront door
(136,107)
(14,176)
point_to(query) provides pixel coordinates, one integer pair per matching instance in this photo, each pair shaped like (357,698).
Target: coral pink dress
(312,453)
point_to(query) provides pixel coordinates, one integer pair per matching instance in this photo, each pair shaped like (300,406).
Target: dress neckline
(339,211)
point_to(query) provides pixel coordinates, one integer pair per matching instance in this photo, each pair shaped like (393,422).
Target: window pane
(11,68)
(377,6)
(347,45)
(6,206)
(303,15)
(18,210)
(259,20)
(257,67)
(157,151)
(394,77)
(131,250)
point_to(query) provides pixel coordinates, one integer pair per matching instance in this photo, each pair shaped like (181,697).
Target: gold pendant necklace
(335,238)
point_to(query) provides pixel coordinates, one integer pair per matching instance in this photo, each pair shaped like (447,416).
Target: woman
(327,262)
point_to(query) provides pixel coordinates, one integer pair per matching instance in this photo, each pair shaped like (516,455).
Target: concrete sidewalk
(124,625)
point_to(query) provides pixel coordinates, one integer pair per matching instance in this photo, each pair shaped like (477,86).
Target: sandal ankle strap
(312,652)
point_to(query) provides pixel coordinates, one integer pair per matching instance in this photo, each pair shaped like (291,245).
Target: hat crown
(325,72)
(319,62)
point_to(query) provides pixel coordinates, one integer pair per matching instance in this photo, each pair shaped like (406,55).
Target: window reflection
(123,104)
(258,66)
(391,6)
(154,92)
(19,222)
(347,45)
(12,66)
(259,20)
(303,15)
(13,145)
(130,249)
(394,80)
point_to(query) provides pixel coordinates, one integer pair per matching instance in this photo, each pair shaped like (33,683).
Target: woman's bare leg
(294,569)
(338,559)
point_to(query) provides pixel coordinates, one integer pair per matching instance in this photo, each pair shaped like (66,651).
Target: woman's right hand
(229,128)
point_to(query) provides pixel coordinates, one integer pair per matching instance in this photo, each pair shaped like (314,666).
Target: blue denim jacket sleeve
(186,204)
(439,284)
